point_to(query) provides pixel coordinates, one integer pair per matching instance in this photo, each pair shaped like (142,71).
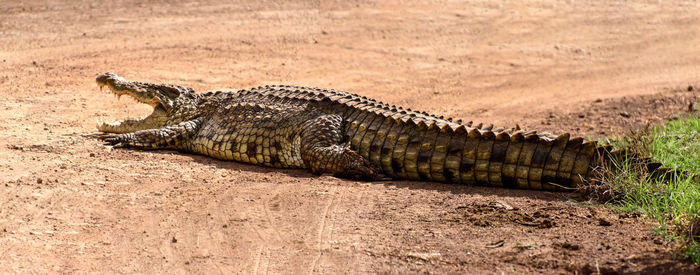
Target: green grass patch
(674,202)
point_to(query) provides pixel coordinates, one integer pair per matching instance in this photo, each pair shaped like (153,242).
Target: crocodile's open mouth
(118,86)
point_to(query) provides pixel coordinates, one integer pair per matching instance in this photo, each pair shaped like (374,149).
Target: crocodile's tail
(466,154)
(481,155)
(608,161)
(518,159)
(418,146)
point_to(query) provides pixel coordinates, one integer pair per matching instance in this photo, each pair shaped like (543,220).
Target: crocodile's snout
(106,78)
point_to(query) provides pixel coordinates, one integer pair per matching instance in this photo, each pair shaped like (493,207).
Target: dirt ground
(69,204)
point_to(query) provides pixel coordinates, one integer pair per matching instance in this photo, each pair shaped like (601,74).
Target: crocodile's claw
(114,140)
(357,167)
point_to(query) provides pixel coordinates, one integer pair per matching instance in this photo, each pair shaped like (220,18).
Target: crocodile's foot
(355,166)
(114,140)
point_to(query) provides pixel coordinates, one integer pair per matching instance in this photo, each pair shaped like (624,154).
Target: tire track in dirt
(268,219)
(259,260)
(262,258)
(325,224)
(260,220)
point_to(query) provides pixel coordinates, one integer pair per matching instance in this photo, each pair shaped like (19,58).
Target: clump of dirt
(495,214)
(597,193)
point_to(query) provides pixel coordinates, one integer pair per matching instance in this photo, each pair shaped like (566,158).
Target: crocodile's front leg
(171,137)
(322,151)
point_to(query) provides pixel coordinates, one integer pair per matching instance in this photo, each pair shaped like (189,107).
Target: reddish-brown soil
(69,204)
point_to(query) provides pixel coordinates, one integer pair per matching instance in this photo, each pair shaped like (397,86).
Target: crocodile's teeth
(100,123)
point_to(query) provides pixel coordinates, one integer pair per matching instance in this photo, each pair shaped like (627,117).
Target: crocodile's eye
(169,91)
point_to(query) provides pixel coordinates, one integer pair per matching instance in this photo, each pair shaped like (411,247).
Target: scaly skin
(330,131)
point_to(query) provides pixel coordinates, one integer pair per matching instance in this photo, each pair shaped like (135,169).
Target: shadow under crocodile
(412,185)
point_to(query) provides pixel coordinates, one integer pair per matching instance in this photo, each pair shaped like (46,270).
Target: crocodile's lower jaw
(120,126)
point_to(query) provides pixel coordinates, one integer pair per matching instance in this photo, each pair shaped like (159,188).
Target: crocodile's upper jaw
(141,93)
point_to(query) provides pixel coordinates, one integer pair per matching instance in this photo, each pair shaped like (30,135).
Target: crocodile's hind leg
(171,137)
(322,151)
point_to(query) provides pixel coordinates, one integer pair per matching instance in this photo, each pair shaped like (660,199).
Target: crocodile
(347,135)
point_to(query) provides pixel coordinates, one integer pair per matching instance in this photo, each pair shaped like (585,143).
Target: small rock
(570,246)
(546,223)
(690,88)
(603,222)
(581,116)
(625,114)
(423,256)
(92,155)
(39,180)
(496,244)
(598,100)
(173,240)
(499,204)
